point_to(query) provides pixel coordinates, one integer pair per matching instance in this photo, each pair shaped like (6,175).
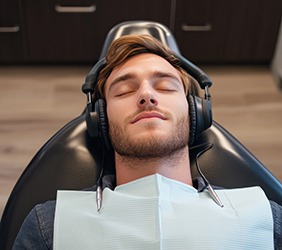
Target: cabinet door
(227,31)
(11,40)
(74,31)
(60,31)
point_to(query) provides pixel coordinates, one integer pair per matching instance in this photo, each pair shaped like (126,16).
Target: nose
(147,97)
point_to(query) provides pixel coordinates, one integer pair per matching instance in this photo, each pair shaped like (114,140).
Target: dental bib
(155,212)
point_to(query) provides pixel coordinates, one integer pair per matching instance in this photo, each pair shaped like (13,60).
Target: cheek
(184,103)
(116,112)
(178,104)
(111,114)
(120,107)
(181,110)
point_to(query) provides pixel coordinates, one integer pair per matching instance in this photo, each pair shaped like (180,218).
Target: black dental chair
(72,160)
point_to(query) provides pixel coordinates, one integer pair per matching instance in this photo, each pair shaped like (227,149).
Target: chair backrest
(157,30)
(72,160)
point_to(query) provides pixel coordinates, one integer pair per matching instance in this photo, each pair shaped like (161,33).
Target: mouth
(148,115)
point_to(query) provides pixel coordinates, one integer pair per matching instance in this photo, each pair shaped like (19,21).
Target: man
(152,202)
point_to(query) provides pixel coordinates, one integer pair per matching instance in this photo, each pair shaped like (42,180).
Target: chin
(150,134)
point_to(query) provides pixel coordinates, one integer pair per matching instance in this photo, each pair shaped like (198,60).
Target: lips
(147,115)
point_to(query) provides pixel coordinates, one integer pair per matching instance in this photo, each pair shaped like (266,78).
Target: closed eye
(166,90)
(167,85)
(124,93)
(124,88)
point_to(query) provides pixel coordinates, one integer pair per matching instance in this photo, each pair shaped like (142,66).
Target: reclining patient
(152,202)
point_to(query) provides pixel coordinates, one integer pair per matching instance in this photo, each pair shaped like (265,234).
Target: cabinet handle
(75,9)
(187,27)
(13,29)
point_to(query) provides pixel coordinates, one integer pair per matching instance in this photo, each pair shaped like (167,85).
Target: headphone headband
(92,77)
(201,77)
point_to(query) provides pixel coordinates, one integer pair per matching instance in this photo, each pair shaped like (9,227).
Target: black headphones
(200,109)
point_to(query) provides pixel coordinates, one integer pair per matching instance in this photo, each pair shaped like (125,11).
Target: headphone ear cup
(92,123)
(100,107)
(193,119)
(200,111)
(206,114)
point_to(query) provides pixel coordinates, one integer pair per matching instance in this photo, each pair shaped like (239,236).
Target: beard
(152,145)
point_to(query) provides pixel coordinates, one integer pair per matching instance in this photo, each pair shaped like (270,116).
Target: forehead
(144,58)
(141,65)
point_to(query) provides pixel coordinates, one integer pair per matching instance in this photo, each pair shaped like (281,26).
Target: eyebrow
(122,78)
(156,74)
(161,74)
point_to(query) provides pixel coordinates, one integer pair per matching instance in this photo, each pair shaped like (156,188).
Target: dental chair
(71,159)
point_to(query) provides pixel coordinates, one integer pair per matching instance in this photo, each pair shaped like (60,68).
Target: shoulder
(276,211)
(37,230)
(45,215)
(277,220)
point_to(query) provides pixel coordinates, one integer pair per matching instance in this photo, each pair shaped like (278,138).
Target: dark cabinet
(227,31)
(11,32)
(74,31)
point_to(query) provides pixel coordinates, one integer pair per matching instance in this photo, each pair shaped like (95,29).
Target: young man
(152,202)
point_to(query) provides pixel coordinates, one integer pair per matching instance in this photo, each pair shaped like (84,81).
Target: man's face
(147,108)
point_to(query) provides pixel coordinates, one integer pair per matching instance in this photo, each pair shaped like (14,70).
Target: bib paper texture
(159,213)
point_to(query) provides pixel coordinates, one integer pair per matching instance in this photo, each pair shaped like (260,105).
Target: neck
(176,166)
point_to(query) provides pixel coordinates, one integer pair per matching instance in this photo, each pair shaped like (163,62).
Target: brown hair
(128,46)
